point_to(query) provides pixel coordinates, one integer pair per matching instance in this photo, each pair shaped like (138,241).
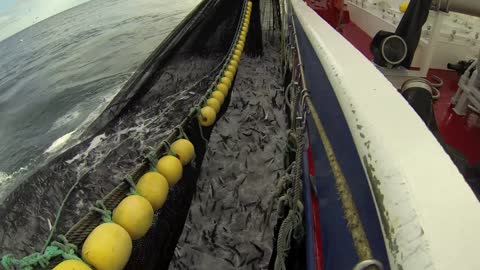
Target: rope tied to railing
(290,227)
(354,224)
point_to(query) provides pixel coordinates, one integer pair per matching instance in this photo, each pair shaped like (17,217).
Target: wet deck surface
(226,227)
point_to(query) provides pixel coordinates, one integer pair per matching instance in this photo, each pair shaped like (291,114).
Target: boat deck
(460,132)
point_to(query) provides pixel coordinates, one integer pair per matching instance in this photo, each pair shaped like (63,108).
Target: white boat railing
(430,216)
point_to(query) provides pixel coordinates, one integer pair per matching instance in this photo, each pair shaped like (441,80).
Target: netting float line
(126,213)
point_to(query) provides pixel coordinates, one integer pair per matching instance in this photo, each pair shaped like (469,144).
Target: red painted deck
(460,132)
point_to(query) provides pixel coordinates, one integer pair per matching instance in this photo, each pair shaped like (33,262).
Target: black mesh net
(156,99)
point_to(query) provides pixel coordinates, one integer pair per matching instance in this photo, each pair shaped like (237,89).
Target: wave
(59,143)
(66,119)
(71,138)
(8,179)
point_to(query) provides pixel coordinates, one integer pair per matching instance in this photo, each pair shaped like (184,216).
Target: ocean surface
(58,75)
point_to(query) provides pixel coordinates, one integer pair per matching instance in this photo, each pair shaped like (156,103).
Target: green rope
(133,188)
(66,250)
(195,111)
(59,212)
(101,209)
(69,250)
(181,133)
(203,99)
(152,159)
(169,149)
(8,261)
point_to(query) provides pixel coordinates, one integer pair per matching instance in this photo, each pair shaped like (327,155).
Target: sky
(16,15)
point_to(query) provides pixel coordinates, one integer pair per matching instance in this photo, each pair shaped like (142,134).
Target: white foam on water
(67,139)
(4,177)
(93,144)
(104,102)
(59,143)
(7,179)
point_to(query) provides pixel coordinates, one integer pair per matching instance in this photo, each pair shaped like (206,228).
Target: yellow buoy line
(109,245)
(223,82)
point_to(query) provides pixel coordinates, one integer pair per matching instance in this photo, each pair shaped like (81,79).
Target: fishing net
(152,103)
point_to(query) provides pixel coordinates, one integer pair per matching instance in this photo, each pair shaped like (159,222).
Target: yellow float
(239,47)
(222,88)
(403,7)
(184,149)
(234,63)
(237,52)
(107,247)
(213,102)
(236,57)
(72,265)
(232,69)
(135,215)
(207,116)
(170,167)
(229,75)
(218,96)
(153,187)
(227,82)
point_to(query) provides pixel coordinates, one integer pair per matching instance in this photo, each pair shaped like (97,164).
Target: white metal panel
(430,216)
